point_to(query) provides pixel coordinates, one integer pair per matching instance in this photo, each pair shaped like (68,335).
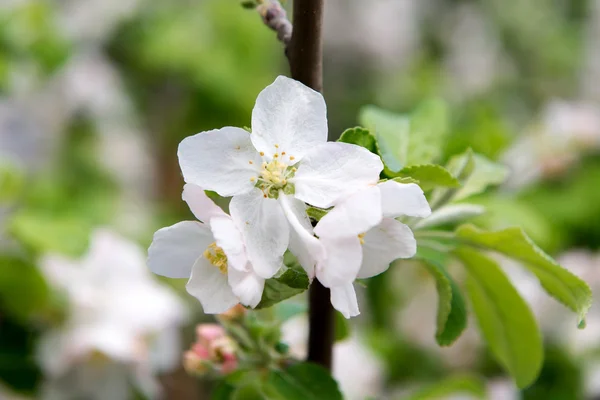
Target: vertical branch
(306,48)
(305,54)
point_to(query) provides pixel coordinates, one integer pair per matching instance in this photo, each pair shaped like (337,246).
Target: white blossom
(362,237)
(271,173)
(212,254)
(120,320)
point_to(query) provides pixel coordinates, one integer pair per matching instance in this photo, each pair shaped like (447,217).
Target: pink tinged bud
(194,364)
(234,313)
(229,364)
(222,348)
(200,351)
(206,333)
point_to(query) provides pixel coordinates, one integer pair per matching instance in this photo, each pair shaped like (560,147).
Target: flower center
(216,256)
(274,176)
(361,237)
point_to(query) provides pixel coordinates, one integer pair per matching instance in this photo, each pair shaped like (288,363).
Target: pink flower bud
(194,364)
(229,364)
(206,333)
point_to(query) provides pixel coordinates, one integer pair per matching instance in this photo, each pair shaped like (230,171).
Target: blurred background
(95,96)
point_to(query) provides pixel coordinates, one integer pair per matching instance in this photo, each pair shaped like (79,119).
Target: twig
(275,17)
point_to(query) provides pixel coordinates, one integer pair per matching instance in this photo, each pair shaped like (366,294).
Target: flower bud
(206,333)
(194,363)
(235,313)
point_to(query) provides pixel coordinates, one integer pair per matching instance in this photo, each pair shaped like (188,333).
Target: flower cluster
(273,174)
(213,350)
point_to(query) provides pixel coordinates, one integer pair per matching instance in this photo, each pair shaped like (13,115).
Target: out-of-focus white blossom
(120,320)
(565,132)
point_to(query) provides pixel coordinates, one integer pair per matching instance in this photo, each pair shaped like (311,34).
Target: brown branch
(305,54)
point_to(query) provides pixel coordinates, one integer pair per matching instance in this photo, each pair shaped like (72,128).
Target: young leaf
(23,290)
(453,385)
(360,137)
(428,129)
(316,213)
(485,173)
(556,280)
(392,133)
(303,381)
(429,176)
(452,311)
(292,281)
(505,319)
(450,213)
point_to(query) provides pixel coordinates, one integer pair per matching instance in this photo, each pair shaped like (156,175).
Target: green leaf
(12,182)
(556,280)
(485,173)
(450,213)
(288,283)
(316,213)
(391,131)
(429,176)
(428,129)
(360,137)
(505,319)
(342,327)
(18,368)
(223,391)
(462,165)
(453,385)
(452,311)
(303,381)
(23,291)
(44,233)
(248,392)
(403,180)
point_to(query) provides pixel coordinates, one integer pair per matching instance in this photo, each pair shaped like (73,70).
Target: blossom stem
(305,54)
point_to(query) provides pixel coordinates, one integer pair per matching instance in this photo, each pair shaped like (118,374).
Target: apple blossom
(213,350)
(272,172)
(211,254)
(120,319)
(362,237)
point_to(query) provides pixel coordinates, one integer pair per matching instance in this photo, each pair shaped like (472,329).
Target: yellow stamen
(291,158)
(262,153)
(361,238)
(216,256)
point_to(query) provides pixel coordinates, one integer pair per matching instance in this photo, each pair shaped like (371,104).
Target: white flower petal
(333,171)
(265,231)
(385,243)
(230,239)
(200,204)
(403,199)
(357,214)
(175,249)
(344,258)
(209,285)
(247,286)
(290,115)
(222,160)
(343,299)
(303,244)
